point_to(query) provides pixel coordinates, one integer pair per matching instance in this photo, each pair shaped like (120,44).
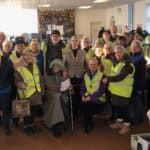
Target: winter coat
(55,100)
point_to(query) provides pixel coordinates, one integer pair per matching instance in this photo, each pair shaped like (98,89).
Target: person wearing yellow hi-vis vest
(52,49)
(19,47)
(121,87)
(87,47)
(29,85)
(92,93)
(107,58)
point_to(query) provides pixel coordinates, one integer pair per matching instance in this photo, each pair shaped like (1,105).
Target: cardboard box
(140,141)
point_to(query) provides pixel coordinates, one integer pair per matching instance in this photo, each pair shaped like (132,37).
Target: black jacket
(6,73)
(53,52)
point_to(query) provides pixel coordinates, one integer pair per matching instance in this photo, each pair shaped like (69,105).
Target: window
(148,18)
(15,21)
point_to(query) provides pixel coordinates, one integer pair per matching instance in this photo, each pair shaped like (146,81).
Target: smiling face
(56,68)
(107,49)
(85,43)
(92,65)
(135,47)
(28,56)
(55,38)
(119,54)
(19,47)
(34,45)
(74,42)
(7,46)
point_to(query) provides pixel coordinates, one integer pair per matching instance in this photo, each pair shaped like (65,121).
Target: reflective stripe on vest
(107,65)
(32,81)
(123,88)
(92,85)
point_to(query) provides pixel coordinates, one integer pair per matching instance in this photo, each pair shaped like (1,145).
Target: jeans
(137,109)
(122,112)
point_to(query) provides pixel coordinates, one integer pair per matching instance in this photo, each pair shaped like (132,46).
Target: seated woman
(92,92)
(29,85)
(55,110)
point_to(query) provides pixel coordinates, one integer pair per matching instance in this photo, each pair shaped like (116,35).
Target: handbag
(21,108)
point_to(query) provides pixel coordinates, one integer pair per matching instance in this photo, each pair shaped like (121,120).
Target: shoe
(29,131)
(116,125)
(15,123)
(125,129)
(8,131)
(88,129)
(56,131)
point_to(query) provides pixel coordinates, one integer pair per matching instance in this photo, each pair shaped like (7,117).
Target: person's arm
(127,69)
(99,93)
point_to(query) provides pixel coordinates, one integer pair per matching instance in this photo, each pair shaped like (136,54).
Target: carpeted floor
(101,138)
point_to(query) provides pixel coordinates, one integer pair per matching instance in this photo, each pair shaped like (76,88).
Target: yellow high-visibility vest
(107,65)
(92,85)
(122,88)
(13,57)
(89,54)
(32,81)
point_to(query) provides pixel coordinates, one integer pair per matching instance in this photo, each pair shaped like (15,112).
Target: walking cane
(71,109)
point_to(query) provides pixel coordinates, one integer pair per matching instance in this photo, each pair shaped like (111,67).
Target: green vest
(13,57)
(89,54)
(122,88)
(92,86)
(107,65)
(32,81)
(146,51)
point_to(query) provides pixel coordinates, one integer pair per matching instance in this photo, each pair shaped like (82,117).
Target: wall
(120,13)
(140,13)
(83,19)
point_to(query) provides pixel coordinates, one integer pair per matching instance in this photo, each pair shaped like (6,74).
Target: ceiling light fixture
(44,5)
(84,7)
(100,1)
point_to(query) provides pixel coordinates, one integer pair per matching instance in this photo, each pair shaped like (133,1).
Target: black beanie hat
(55,32)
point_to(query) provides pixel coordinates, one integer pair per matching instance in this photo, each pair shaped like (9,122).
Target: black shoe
(88,129)
(8,131)
(29,131)
(15,123)
(56,131)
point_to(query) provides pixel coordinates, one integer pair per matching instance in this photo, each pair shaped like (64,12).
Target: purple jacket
(96,95)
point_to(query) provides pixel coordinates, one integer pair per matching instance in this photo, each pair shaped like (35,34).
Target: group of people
(114,70)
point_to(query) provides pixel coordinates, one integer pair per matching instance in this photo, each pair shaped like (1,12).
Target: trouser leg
(5,103)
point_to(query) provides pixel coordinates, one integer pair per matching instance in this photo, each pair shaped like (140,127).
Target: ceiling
(61,4)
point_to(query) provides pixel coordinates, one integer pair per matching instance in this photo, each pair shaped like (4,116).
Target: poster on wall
(63,20)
